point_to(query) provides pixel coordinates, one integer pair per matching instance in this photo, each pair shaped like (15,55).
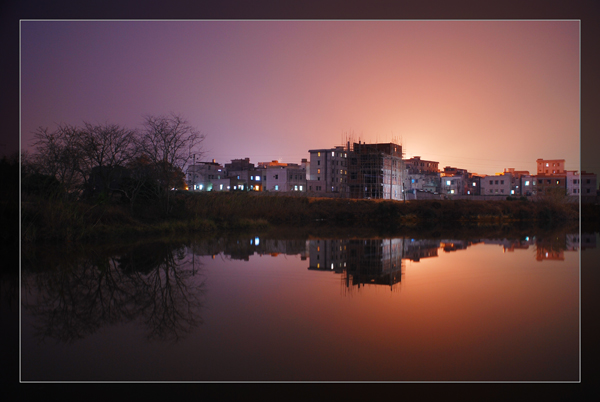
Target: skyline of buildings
(379,171)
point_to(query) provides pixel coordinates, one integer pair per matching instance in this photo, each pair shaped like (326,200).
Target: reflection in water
(161,285)
(155,284)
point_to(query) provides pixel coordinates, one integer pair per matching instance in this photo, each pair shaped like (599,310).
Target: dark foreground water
(260,309)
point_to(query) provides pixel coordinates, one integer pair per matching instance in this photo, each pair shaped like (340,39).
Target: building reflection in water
(368,261)
(379,261)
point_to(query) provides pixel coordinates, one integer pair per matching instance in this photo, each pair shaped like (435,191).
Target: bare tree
(104,148)
(58,155)
(169,142)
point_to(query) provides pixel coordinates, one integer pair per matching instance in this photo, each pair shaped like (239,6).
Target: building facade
(328,171)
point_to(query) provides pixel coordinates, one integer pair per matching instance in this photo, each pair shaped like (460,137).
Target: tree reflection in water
(157,284)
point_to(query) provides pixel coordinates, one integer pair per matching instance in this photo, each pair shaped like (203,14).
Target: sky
(478,95)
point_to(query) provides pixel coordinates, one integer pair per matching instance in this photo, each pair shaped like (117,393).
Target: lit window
(238,177)
(257,178)
(235,187)
(256,188)
(300,188)
(318,154)
(526,182)
(295,188)
(201,186)
(546,165)
(220,187)
(241,186)
(318,171)
(512,191)
(447,182)
(276,187)
(451,191)
(474,184)
(333,154)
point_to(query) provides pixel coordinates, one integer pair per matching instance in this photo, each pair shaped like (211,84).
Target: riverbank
(59,220)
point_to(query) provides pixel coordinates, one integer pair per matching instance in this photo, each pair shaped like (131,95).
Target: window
(501,181)
(526,182)
(546,165)
(257,178)
(588,190)
(318,154)
(238,177)
(332,153)
(512,191)
(300,188)
(491,191)
(276,177)
(276,187)
(491,182)
(447,182)
(295,188)
(318,178)
(416,180)
(220,187)
(319,163)
(496,181)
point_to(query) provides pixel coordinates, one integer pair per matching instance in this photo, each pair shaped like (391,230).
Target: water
(264,309)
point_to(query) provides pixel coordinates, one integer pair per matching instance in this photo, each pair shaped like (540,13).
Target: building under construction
(376,171)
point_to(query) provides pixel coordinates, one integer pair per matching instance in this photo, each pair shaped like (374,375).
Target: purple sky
(480,95)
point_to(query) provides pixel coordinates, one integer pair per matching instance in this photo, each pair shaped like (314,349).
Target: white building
(206,176)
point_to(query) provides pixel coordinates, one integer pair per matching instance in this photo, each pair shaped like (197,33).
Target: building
(516,185)
(527,185)
(376,171)
(207,176)
(550,167)
(550,184)
(454,181)
(417,165)
(244,175)
(496,185)
(283,177)
(328,171)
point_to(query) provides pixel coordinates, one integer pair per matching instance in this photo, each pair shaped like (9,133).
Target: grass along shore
(46,219)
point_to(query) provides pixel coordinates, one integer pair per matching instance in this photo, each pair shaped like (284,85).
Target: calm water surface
(260,309)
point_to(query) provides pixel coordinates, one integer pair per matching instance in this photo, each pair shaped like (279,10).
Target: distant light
(527,238)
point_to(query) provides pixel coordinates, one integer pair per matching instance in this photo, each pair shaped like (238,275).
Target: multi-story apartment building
(328,171)
(418,165)
(550,184)
(207,176)
(279,176)
(422,175)
(244,175)
(527,185)
(549,167)
(376,171)
(454,181)
(496,185)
